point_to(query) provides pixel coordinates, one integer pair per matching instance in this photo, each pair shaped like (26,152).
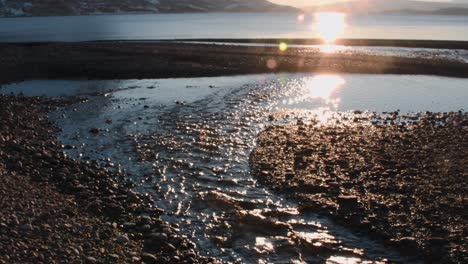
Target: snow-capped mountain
(86,7)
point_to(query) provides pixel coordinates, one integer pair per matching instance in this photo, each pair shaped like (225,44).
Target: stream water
(187,142)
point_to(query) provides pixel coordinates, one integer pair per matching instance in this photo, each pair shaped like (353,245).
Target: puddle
(187,143)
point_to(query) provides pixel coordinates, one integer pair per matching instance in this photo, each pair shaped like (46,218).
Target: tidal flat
(292,165)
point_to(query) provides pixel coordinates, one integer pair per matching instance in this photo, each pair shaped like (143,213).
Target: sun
(329,25)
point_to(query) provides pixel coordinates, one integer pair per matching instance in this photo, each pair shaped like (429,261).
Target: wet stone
(122,239)
(409,245)
(113,257)
(149,258)
(348,202)
(95,131)
(26,227)
(91,260)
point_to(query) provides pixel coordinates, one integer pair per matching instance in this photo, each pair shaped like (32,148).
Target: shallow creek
(187,142)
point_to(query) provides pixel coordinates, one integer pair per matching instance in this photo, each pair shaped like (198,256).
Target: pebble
(26,227)
(91,260)
(122,239)
(113,257)
(149,258)
(64,198)
(348,202)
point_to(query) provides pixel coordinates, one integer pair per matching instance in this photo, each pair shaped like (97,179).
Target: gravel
(399,179)
(55,209)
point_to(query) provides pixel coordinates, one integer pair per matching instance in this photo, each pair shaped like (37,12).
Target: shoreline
(402,43)
(30,152)
(140,60)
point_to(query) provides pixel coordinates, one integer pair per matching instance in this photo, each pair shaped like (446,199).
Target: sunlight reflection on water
(321,88)
(332,48)
(344,260)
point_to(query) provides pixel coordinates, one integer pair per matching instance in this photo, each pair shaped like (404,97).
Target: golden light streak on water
(323,86)
(320,88)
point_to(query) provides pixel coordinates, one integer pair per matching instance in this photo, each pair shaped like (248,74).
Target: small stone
(113,256)
(19,165)
(95,130)
(170,247)
(156,240)
(408,245)
(149,258)
(122,239)
(289,176)
(26,227)
(128,225)
(91,260)
(348,202)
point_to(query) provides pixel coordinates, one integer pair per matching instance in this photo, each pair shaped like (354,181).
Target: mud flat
(400,179)
(55,209)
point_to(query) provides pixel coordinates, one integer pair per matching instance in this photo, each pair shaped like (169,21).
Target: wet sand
(137,60)
(400,179)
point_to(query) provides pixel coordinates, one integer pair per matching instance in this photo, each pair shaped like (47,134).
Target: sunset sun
(329,25)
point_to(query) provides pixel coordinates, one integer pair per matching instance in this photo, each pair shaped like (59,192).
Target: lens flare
(300,18)
(271,64)
(329,25)
(283,46)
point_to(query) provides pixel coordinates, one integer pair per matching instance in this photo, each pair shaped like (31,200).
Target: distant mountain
(444,11)
(387,6)
(85,7)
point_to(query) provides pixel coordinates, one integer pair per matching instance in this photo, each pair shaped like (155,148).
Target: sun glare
(323,87)
(329,25)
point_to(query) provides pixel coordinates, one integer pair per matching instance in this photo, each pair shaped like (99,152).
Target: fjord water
(224,25)
(187,143)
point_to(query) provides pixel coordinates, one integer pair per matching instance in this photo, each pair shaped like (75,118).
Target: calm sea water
(224,25)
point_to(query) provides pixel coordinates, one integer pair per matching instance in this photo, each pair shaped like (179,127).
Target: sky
(312,2)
